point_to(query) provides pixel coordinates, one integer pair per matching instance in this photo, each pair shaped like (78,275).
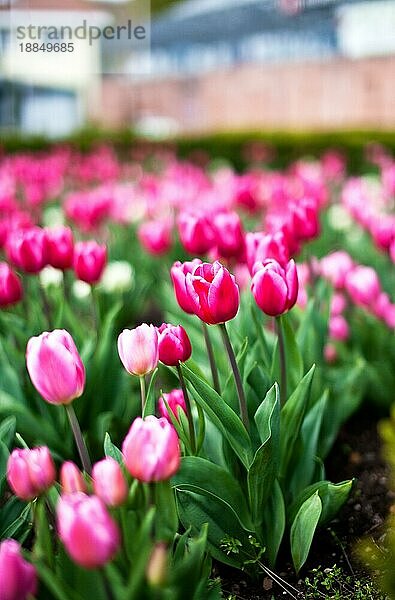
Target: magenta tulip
(71,478)
(335,267)
(151,449)
(363,285)
(55,367)
(213,292)
(18,579)
(196,233)
(155,236)
(109,482)
(229,234)
(30,472)
(275,289)
(175,400)
(90,535)
(174,344)
(90,258)
(261,246)
(60,246)
(338,328)
(178,274)
(27,249)
(138,349)
(10,286)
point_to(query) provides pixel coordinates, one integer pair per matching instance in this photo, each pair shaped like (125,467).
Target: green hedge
(286,146)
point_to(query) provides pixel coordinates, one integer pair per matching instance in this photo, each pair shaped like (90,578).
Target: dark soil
(357,453)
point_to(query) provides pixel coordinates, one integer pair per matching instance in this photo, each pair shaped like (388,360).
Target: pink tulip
(151,449)
(213,292)
(275,289)
(90,535)
(305,221)
(55,367)
(338,328)
(385,310)
(30,472)
(89,261)
(18,580)
(338,304)
(71,478)
(10,286)
(196,233)
(335,267)
(27,249)
(174,344)
(175,399)
(60,246)
(138,349)
(155,236)
(383,231)
(109,482)
(363,285)
(330,353)
(178,274)
(261,246)
(229,234)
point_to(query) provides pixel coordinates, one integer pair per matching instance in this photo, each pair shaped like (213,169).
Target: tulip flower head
(109,482)
(151,449)
(174,344)
(60,246)
(138,349)
(175,400)
(71,478)
(18,579)
(197,235)
(275,288)
(55,367)
(363,286)
(10,286)
(213,292)
(27,249)
(90,258)
(90,535)
(30,472)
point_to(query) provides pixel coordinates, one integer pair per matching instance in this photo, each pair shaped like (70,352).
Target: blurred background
(212,65)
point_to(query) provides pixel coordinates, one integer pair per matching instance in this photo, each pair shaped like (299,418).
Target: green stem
(283,365)
(46,305)
(106,585)
(95,309)
(192,436)
(143,393)
(236,375)
(211,357)
(79,440)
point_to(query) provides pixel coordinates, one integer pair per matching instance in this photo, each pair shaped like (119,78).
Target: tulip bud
(18,579)
(275,289)
(175,399)
(174,344)
(27,249)
(30,472)
(338,328)
(213,292)
(151,449)
(260,247)
(363,285)
(158,565)
(71,478)
(55,367)
(89,261)
(305,222)
(155,236)
(90,535)
(196,233)
(60,246)
(10,286)
(138,349)
(178,274)
(335,267)
(109,482)
(229,234)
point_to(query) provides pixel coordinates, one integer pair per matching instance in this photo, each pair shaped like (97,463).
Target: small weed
(334,584)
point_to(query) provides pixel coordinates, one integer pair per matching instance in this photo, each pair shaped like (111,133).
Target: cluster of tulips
(230,460)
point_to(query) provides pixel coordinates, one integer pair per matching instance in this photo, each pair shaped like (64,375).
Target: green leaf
(150,404)
(274,521)
(7,431)
(195,510)
(303,528)
(204,477)
(166,512)
(222,416)
(292,415)
(229,392)
(111,450)
(332,495)
(263,470)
